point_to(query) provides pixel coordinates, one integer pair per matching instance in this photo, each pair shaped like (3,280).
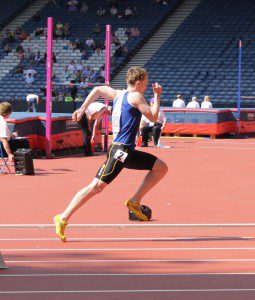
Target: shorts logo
(101,170)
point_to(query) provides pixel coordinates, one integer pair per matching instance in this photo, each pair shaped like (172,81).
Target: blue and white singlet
(125,120)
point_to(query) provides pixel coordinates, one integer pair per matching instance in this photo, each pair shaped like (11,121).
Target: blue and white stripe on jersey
(125,120)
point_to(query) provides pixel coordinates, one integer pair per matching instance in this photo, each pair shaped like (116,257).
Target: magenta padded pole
(107,80)
(48,87)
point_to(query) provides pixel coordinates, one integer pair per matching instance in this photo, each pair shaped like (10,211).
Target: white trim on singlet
(116,114)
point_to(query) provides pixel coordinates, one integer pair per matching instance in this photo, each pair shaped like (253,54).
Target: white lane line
(129,291)
(235,142)
(135,239)
(137,225)
(123,249)
(217,147)
(126,274)
(131,260)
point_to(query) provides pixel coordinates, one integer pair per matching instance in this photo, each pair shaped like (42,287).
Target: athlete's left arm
(97,92)
(138,101)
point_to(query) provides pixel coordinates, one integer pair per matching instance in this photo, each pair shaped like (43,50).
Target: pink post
(107,80)
(48,87)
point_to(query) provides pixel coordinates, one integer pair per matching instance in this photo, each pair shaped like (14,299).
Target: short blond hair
(134,74)
(207,98)
(5,108)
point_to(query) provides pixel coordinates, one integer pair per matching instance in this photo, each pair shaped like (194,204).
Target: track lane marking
(136,239)
(126,249)
(127,274)
(129,291)
(138,225)
(132,260)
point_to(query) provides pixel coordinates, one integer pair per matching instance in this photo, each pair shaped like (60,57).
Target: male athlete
(128,107)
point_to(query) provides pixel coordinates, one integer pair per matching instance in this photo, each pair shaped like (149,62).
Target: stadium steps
(157,40)
(25,15)
(8,63)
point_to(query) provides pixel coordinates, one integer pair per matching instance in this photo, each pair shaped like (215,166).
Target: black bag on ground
(23,162)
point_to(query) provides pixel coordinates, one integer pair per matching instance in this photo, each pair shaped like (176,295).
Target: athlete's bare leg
(81,197)
(150,180)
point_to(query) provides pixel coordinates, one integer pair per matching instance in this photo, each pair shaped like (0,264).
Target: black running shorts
(120,156)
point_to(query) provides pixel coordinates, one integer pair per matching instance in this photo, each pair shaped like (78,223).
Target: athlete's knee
(97,186)
(160,166)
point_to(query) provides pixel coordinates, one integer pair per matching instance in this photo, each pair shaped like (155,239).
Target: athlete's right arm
(97,92)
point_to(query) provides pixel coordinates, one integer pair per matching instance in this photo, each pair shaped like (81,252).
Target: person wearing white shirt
(113,11)
(128,12)
(156,128)
(79,66)
(95,111)
(32,100)
(72,67)
(90,42)
(207,104)
(5,133)
(30,71)
(193,104)
(179,103)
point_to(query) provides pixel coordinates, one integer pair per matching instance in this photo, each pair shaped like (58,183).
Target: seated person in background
(179,103)
(28,55)
(84,8)
(39,31)
(55,93)
(19,69)
(9,144)
(156,128)
(79,66)
(128,12)
(90,42)
(32,100)
(19,48)
(20,55)
(128,32)
(36,17)
(84,55)
(206,103)
(30,71)
(113,11)
(135,32)
(7,48)
(101,11)
(29,79)
(96,28)
(23,36)
(193,103)
(72,5)
(38,58)
(62,92)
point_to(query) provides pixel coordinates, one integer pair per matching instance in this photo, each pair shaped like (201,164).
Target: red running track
(210,182)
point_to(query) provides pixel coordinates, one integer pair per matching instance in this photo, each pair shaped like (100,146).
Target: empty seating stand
(149,17)
(201,57)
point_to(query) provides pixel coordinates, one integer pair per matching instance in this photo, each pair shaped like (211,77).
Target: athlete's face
(143,84)
(7,116)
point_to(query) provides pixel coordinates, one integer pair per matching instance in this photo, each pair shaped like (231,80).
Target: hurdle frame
(239,86)
(49,84)
(107,81)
